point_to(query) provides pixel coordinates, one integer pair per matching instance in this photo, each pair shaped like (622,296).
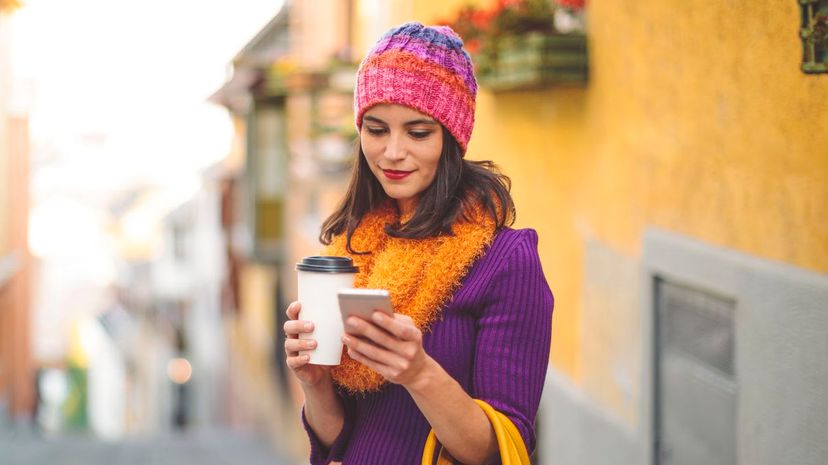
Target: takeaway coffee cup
(320,278)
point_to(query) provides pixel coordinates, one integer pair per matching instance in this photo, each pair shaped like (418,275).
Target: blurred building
(187,277)
(17,394)
(290,98)
(165,312)
(679,194)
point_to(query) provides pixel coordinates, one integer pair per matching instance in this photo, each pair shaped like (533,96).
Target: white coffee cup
(320,278)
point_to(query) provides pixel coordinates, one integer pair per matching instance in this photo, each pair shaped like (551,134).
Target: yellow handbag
(512,449)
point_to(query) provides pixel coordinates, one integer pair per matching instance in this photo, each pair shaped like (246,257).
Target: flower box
(533,60)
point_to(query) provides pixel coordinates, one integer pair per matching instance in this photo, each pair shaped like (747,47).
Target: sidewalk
(205,447)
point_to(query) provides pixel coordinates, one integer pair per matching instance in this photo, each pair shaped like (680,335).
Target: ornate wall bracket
(814,34)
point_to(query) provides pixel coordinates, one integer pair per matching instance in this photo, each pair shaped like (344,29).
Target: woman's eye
(420,134)
(375,131)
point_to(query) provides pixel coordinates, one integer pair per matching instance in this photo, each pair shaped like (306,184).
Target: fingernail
(311,344)
(346,339)
(377,316)
(308,326)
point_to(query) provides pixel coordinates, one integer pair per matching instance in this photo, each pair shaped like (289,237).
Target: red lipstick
(396,175)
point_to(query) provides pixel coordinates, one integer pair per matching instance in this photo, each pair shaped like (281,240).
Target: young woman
(473,309)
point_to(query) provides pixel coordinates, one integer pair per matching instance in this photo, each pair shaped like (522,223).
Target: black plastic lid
(326,264)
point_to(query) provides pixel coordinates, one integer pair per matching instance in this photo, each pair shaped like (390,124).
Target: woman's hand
(391,346)
(308,375)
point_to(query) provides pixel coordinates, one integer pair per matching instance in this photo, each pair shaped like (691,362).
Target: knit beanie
(422,67)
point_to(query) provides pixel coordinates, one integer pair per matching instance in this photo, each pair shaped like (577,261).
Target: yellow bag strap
(510,443)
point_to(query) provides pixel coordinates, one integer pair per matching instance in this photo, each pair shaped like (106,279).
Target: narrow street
(204,447)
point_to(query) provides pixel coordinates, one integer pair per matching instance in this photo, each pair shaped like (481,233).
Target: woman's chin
(402,199)
(397,195)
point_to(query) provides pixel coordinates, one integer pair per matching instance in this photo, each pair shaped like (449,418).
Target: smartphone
(363,302)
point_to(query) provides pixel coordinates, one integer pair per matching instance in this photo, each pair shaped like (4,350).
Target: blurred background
(163,165)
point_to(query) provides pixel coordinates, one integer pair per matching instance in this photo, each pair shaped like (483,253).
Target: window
(814,34)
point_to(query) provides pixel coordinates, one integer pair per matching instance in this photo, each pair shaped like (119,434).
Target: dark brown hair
(457,186)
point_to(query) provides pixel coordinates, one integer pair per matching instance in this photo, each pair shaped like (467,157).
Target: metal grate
(698,324)
(696,394)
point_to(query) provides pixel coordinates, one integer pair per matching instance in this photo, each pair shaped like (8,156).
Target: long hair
(458,186)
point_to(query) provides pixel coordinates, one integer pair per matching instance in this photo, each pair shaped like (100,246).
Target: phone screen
(363,302)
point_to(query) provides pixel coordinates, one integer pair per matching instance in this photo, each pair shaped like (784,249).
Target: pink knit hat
(422,67)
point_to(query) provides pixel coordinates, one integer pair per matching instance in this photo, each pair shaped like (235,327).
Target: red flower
(472,46)
(572,4)
(501,4)
(481,18)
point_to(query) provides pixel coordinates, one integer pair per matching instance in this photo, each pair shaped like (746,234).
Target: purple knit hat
(422,67)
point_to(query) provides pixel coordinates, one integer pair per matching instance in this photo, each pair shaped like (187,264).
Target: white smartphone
(363,302)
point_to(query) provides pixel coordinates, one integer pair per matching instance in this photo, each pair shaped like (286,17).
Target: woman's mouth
(396,175)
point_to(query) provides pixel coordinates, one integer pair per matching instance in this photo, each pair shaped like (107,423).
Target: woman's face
(402,147)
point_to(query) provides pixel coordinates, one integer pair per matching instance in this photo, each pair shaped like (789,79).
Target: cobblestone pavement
(205,447)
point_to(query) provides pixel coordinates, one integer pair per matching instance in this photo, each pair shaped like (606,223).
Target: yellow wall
(316,37)
(5,201)
(373,17)
(257,284)
(696,119)
(5,89)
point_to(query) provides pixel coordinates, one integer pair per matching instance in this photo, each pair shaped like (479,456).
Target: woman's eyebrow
(413,122)
(373,119)
(420,121)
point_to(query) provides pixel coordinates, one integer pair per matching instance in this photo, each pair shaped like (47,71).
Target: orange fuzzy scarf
(420,274)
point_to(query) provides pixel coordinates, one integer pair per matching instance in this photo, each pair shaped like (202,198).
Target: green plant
(517,17)
(516,44)
(483,28)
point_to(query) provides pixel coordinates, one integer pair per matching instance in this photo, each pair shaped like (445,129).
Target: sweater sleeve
(321,455)
(514,333)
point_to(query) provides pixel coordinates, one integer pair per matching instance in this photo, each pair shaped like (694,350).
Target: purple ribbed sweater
(493,338)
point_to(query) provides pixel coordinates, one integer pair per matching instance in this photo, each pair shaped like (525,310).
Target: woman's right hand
(308,375)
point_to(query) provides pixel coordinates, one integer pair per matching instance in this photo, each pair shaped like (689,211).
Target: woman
(473,309)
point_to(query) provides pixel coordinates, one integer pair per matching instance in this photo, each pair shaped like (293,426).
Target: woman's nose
(395,150)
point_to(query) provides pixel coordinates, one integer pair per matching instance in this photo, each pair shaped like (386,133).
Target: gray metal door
(695,392)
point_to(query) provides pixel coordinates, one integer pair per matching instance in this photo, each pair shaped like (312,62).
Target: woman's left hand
(391,346)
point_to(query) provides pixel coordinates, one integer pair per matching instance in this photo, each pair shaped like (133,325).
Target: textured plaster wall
(704,111)
(696,119)
(612,338)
